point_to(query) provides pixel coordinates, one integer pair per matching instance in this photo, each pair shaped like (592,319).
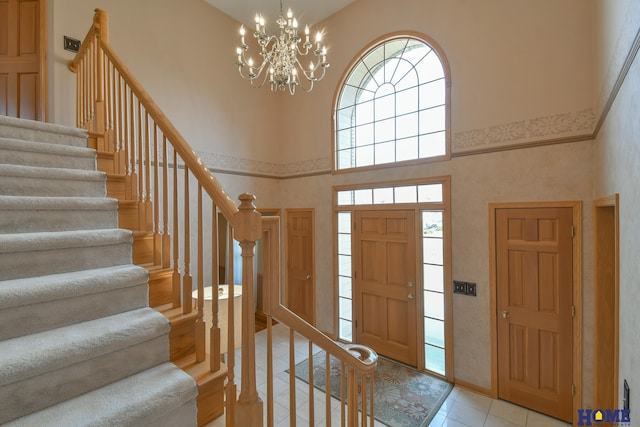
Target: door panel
(300,270)
(384,265)
(20,59)
(534,254)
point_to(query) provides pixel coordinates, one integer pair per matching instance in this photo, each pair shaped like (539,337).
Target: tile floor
(462,408)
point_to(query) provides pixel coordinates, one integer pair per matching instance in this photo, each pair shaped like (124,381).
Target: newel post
(101,24)
(248,229)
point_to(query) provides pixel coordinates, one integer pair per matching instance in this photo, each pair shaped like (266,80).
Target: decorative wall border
(526,131)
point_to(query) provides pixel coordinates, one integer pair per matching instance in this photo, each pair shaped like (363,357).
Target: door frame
(445,207)
(576,207)
(605,320)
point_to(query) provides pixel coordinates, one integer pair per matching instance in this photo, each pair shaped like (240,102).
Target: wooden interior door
(384,278)
(534,256)
(22,59)
(300,291)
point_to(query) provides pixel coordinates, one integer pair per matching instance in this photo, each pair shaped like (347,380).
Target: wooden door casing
(384,278)
(300,290)
(534,267)
(22,47)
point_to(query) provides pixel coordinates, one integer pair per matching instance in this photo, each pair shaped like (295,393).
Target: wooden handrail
(129,127)
(360,358)
(209,182)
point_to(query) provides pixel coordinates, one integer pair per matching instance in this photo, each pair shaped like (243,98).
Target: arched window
(393,105)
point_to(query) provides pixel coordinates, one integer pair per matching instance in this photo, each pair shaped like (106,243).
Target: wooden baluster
(248,229)
(371,399)
(214,332)
(343,394)
(352,398)
(131,176)
(270,400)
(166,238)
(147,222)
(327,389)
(363,410)
(177,277)
(200,328)
(157,231)
(187,280)
(121,147)
(311,387)
(231,388)
(140,166)
(292,380)
(101,21)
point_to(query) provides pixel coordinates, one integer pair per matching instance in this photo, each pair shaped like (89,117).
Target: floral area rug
(403,396)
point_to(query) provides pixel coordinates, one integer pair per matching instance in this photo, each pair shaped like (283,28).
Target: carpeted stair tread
(144,399)
(34,214)
(31,130)
(29,153)
(41,303)
(32,355)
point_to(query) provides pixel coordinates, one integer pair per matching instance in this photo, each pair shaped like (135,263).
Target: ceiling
(307,12)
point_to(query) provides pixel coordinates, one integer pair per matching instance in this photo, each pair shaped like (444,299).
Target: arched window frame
(356,61)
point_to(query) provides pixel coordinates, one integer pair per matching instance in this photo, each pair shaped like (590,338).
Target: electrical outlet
(70,44)
(459,287)
(464,288)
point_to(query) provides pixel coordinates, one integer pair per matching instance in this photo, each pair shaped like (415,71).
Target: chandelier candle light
(280,65)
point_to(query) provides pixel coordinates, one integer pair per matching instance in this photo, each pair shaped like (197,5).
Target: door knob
(308,277)
(410,296)
(505,314)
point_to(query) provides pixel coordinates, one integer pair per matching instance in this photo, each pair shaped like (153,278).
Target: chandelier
(280,64)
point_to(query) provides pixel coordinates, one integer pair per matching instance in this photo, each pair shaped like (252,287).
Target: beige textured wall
(617,170)
(511,63)
(552,173)
(520,71)
(183,54)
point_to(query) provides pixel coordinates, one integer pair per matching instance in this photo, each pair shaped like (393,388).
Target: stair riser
(33,394)
(48,160)
(33,221)
(30,319)
(23,186)
(15,265)
(160,288)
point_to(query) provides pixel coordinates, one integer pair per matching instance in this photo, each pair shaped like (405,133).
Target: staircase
(79,343)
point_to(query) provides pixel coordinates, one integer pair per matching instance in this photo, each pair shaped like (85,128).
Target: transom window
(392,106)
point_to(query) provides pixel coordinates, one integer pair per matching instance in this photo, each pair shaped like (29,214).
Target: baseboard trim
(473,387)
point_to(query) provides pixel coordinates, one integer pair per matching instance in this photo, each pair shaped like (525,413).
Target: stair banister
(120,115)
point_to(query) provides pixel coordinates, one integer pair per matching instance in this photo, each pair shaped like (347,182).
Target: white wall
(617,170)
